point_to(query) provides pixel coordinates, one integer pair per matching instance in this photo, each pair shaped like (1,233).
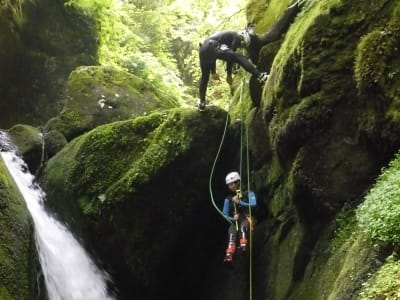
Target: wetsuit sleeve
(225,210)
(236,41)
(252,200)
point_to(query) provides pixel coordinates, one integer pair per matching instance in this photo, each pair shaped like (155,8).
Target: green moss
(373,57)
(286,247)
(98,95)
(112,184)
(271,11)
(17,254)
(25,137)
(50,39)
(129,152)
(342,262)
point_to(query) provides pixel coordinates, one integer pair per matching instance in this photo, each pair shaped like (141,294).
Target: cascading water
(68,270)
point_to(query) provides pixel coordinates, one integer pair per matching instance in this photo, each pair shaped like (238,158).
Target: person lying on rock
(223,45)
(236,208)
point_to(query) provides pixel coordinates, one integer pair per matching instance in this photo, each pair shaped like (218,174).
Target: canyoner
(222,45)
(238,205)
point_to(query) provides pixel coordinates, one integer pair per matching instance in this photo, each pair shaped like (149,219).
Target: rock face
(99,95)
(327,123)
(42,41)
(137,191)
(29,141)
(18,260)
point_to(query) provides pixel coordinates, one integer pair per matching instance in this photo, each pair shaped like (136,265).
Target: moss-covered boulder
(137,190)
(99,95)
(18,260)
(29,142)
(42,42)
(54,141)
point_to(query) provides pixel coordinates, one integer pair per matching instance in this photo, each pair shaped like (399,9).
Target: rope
(248,179)
(251,218)
(215,162)
(248,187)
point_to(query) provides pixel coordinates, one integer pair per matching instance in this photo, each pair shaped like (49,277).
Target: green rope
(215,162)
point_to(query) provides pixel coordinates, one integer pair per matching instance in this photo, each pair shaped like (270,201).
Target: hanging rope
(215,162)
(248,187)
(251,219)
(248,178)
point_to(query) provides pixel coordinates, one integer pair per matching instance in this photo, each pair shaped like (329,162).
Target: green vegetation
(144,37)
(376,54)
(385,284)
(378,215)
(103,94)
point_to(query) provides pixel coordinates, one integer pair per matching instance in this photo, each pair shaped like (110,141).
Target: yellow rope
(248,188)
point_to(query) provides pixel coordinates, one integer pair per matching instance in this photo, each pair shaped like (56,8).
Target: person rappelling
(236,209)
(222,45)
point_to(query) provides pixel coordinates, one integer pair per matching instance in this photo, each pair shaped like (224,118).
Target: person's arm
(225,210)
(251,200)
(236,41)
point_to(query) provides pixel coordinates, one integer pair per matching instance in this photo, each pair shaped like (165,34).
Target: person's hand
(215,76)
(235,199)
(235,217)
(229,79)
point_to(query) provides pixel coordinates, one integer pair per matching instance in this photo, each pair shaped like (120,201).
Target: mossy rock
(54,141)
(43,41)
(18,258)
(29,142)
(140,184)
(99,95)
(319,141)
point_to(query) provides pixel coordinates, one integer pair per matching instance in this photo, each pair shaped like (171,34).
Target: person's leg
(244,228)
(229,55)
(232,235)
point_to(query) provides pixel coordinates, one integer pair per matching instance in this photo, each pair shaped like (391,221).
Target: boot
(262,77)
(201,104)
(230,251)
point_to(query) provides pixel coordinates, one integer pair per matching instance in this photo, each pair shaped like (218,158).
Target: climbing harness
(239,193)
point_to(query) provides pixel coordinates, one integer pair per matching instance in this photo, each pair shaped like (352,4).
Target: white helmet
(232,177)
(245,35)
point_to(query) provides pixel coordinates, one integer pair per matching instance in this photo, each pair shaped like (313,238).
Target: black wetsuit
(221,45)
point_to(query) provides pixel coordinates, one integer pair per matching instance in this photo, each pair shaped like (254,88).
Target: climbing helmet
(245,36)
(232,177)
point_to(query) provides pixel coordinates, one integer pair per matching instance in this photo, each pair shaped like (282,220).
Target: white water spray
(69,272)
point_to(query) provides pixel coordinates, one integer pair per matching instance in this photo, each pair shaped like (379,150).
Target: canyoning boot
(228,258)
(262,77)
(229,253)
(201,105)
(243,245)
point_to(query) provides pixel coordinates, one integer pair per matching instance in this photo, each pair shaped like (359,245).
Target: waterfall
(69,272)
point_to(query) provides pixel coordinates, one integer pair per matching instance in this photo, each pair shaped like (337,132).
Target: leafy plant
(378,215)
(385,284)
(158,40)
